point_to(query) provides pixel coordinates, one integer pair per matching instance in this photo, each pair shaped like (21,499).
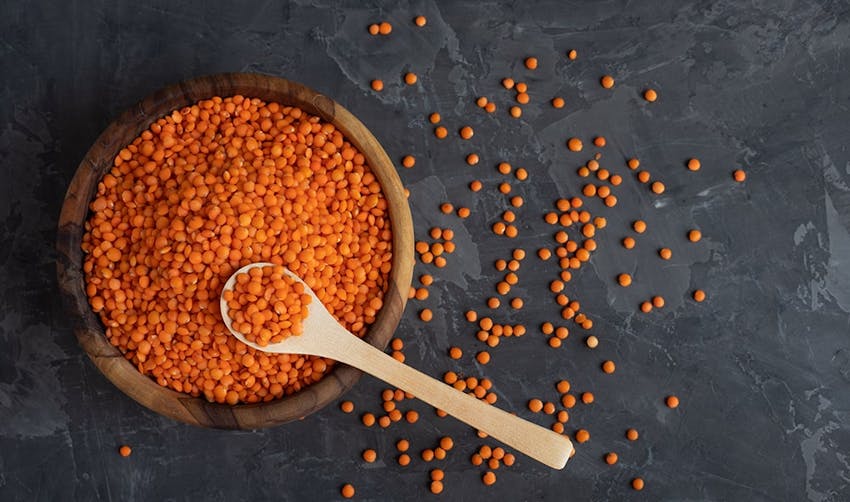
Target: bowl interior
(99,159)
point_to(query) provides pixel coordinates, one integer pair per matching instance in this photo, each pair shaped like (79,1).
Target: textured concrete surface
(762,367)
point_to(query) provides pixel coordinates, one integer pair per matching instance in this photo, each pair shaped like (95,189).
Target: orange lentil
(568,400)
(694,235)
(346,406)
(646,307)
(632,434)
(548,408)
(463,212)
(574,144)
(672,402)
(472,159)
(490,107)
(603,192)
(439,453)
(554,342)
(608,367)
(599,141)
(665,253)
(125,451)
(481,102)
(441,132)
(374,29)
(531,63)
(616,180)
(522,98)
(625,280)
(455,353)
(493,302)
(508,83)
(404,459)
(637,484)
(587,397)
(544,254)
(535,405)
(521,87)
(517,201)
(629,242)
(377,85)
(582,436)
(436,487)
(611,458)
(434,118)
(489,478)
(447,443)
(657,187)
(650,95)
(739,175)
(426,315)
(657,301)
(483,357)
(699,295)
(410,78)
(694,164)
(386,28)
(475,186)
(639,226)
(643,176)
(558,102)
(347,491)
(420,21)
(572,54)
(611,201)
(370,455)
(408,161)
(633,163)
(515,111)
(607,81)
(521,174)
(511,231)
(466,132)
(563,386)
(402,445)
(427,455)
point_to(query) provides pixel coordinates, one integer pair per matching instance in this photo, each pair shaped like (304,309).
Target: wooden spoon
(324,336)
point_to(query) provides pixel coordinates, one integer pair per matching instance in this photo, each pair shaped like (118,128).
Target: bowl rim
(90,331)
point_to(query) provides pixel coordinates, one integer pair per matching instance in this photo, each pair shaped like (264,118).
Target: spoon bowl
(323,336)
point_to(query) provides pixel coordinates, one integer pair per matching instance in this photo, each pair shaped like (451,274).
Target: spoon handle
(537,442)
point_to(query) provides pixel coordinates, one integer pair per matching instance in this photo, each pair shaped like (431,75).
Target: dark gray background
(762,367)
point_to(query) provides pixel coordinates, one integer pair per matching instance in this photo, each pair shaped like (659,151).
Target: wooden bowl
(99,159)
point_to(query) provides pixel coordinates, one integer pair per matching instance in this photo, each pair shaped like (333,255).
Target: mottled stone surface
(762,367)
